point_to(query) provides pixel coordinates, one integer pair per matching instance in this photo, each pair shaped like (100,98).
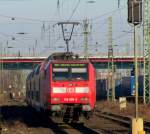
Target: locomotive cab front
(73,86)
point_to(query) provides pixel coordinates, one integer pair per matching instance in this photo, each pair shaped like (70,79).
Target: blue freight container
(132,85)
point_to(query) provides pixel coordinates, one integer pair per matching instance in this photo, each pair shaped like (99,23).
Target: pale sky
(35,16)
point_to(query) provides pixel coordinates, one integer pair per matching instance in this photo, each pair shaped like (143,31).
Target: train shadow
(83,129)
(13,113)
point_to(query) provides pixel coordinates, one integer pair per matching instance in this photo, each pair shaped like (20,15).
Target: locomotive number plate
(70,99)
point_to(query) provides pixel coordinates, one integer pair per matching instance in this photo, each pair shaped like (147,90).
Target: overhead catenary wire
(54,21)
(94,19)
(24,18)
(74,10)
(114,39)
(43,51)
(108,13)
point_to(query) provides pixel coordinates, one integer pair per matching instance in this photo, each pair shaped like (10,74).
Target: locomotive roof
(63,56)
(70,61)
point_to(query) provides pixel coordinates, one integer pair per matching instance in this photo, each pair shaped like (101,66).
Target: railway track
(81,128)
(18,118)
(124,120)
(29,120)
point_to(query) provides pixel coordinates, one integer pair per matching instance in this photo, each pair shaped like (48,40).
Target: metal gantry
(146,24)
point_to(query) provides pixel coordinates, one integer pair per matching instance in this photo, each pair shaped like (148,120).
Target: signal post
(135,18)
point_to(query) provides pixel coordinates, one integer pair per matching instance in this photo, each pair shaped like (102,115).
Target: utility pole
(86,32)
(1,68)
(33,50)
(35,47)
(111,80)
(49,34)
(29,52)
(146,51)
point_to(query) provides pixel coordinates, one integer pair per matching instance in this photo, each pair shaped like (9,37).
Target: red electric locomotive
(64,84)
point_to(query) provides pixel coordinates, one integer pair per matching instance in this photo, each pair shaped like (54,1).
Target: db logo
(70,90)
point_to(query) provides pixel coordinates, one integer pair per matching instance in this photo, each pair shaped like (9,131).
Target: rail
(125,120)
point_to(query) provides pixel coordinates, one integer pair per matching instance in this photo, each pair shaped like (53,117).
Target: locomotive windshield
(70,72)
(60,73)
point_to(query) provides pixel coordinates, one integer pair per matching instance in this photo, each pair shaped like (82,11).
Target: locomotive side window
(37,70)
(37,96)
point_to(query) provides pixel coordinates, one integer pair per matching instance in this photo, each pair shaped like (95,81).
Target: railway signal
(135,11)
(135,18)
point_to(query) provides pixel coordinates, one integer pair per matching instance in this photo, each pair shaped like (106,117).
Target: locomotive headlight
(82,89)
(55,99)
(59,89)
